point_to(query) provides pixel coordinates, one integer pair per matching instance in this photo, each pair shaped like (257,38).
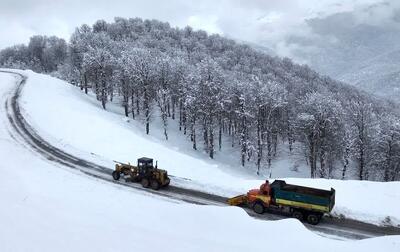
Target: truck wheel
(258,208)
(145,183)
(116,175)
(313,219)
(298,215)
(155,185)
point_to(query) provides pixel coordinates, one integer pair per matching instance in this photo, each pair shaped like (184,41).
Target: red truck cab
(260,199)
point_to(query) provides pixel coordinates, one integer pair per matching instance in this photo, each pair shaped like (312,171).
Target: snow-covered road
(22,132)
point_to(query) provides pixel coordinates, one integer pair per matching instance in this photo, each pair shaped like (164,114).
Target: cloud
(61,17)
(268,22)
(384,13)
(207,23)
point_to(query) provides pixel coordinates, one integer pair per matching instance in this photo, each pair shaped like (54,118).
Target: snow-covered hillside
(75,122)
(379,75)
(49,208)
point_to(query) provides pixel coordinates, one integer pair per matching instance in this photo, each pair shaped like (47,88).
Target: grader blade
(238,200)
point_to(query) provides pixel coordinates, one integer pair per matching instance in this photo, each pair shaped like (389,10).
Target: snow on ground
(49,208)
(76,122)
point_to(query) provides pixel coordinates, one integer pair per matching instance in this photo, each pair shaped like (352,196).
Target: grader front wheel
(155,185)
(167,184)
(145,183)
(116,175)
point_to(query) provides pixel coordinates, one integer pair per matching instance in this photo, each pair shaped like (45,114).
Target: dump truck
(303,203)
(144,173)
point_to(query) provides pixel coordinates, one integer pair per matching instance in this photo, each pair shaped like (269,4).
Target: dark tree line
(43,54)
(220,90)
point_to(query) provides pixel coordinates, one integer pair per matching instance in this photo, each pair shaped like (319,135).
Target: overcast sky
(267,22)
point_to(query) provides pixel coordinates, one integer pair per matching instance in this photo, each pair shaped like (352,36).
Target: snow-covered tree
(219,89)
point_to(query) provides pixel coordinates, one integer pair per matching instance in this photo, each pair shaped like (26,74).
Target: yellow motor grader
(145,173)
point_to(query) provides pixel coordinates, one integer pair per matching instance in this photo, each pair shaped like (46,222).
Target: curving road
(22,132)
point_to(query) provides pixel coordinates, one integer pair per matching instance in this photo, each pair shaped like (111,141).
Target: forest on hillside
(218,89)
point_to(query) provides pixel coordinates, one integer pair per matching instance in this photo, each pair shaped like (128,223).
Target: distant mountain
(380,75)
(361,48)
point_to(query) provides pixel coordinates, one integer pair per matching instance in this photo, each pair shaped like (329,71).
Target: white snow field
(73,121)
(50,208)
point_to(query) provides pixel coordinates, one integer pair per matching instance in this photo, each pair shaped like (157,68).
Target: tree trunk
(103,103)
(125,97)
(163,109)
(290,132)
(180,114)
(165,127)
(275,142)
(388,167)
(147,109)
(103,94)
(269,149)
(243,143)
(211,130)
(346,162)
(137,103)
(230,127)
(322,164)
(312,157)
(220,134)
(111,93)
(361,164)
(85,83)
(205,137)
(194,133)
(173,108)
(243,135)
(184,120)
(81,81)
(259,144)
(126,108)
(133,105)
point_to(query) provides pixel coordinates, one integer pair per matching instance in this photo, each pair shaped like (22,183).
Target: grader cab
(145,173)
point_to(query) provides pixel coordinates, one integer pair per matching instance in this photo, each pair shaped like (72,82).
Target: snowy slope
(75,122)
(48,208)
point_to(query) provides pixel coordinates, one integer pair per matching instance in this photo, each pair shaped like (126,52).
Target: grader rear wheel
(145,183)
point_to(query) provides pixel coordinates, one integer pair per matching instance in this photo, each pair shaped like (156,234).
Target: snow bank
(76,122)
